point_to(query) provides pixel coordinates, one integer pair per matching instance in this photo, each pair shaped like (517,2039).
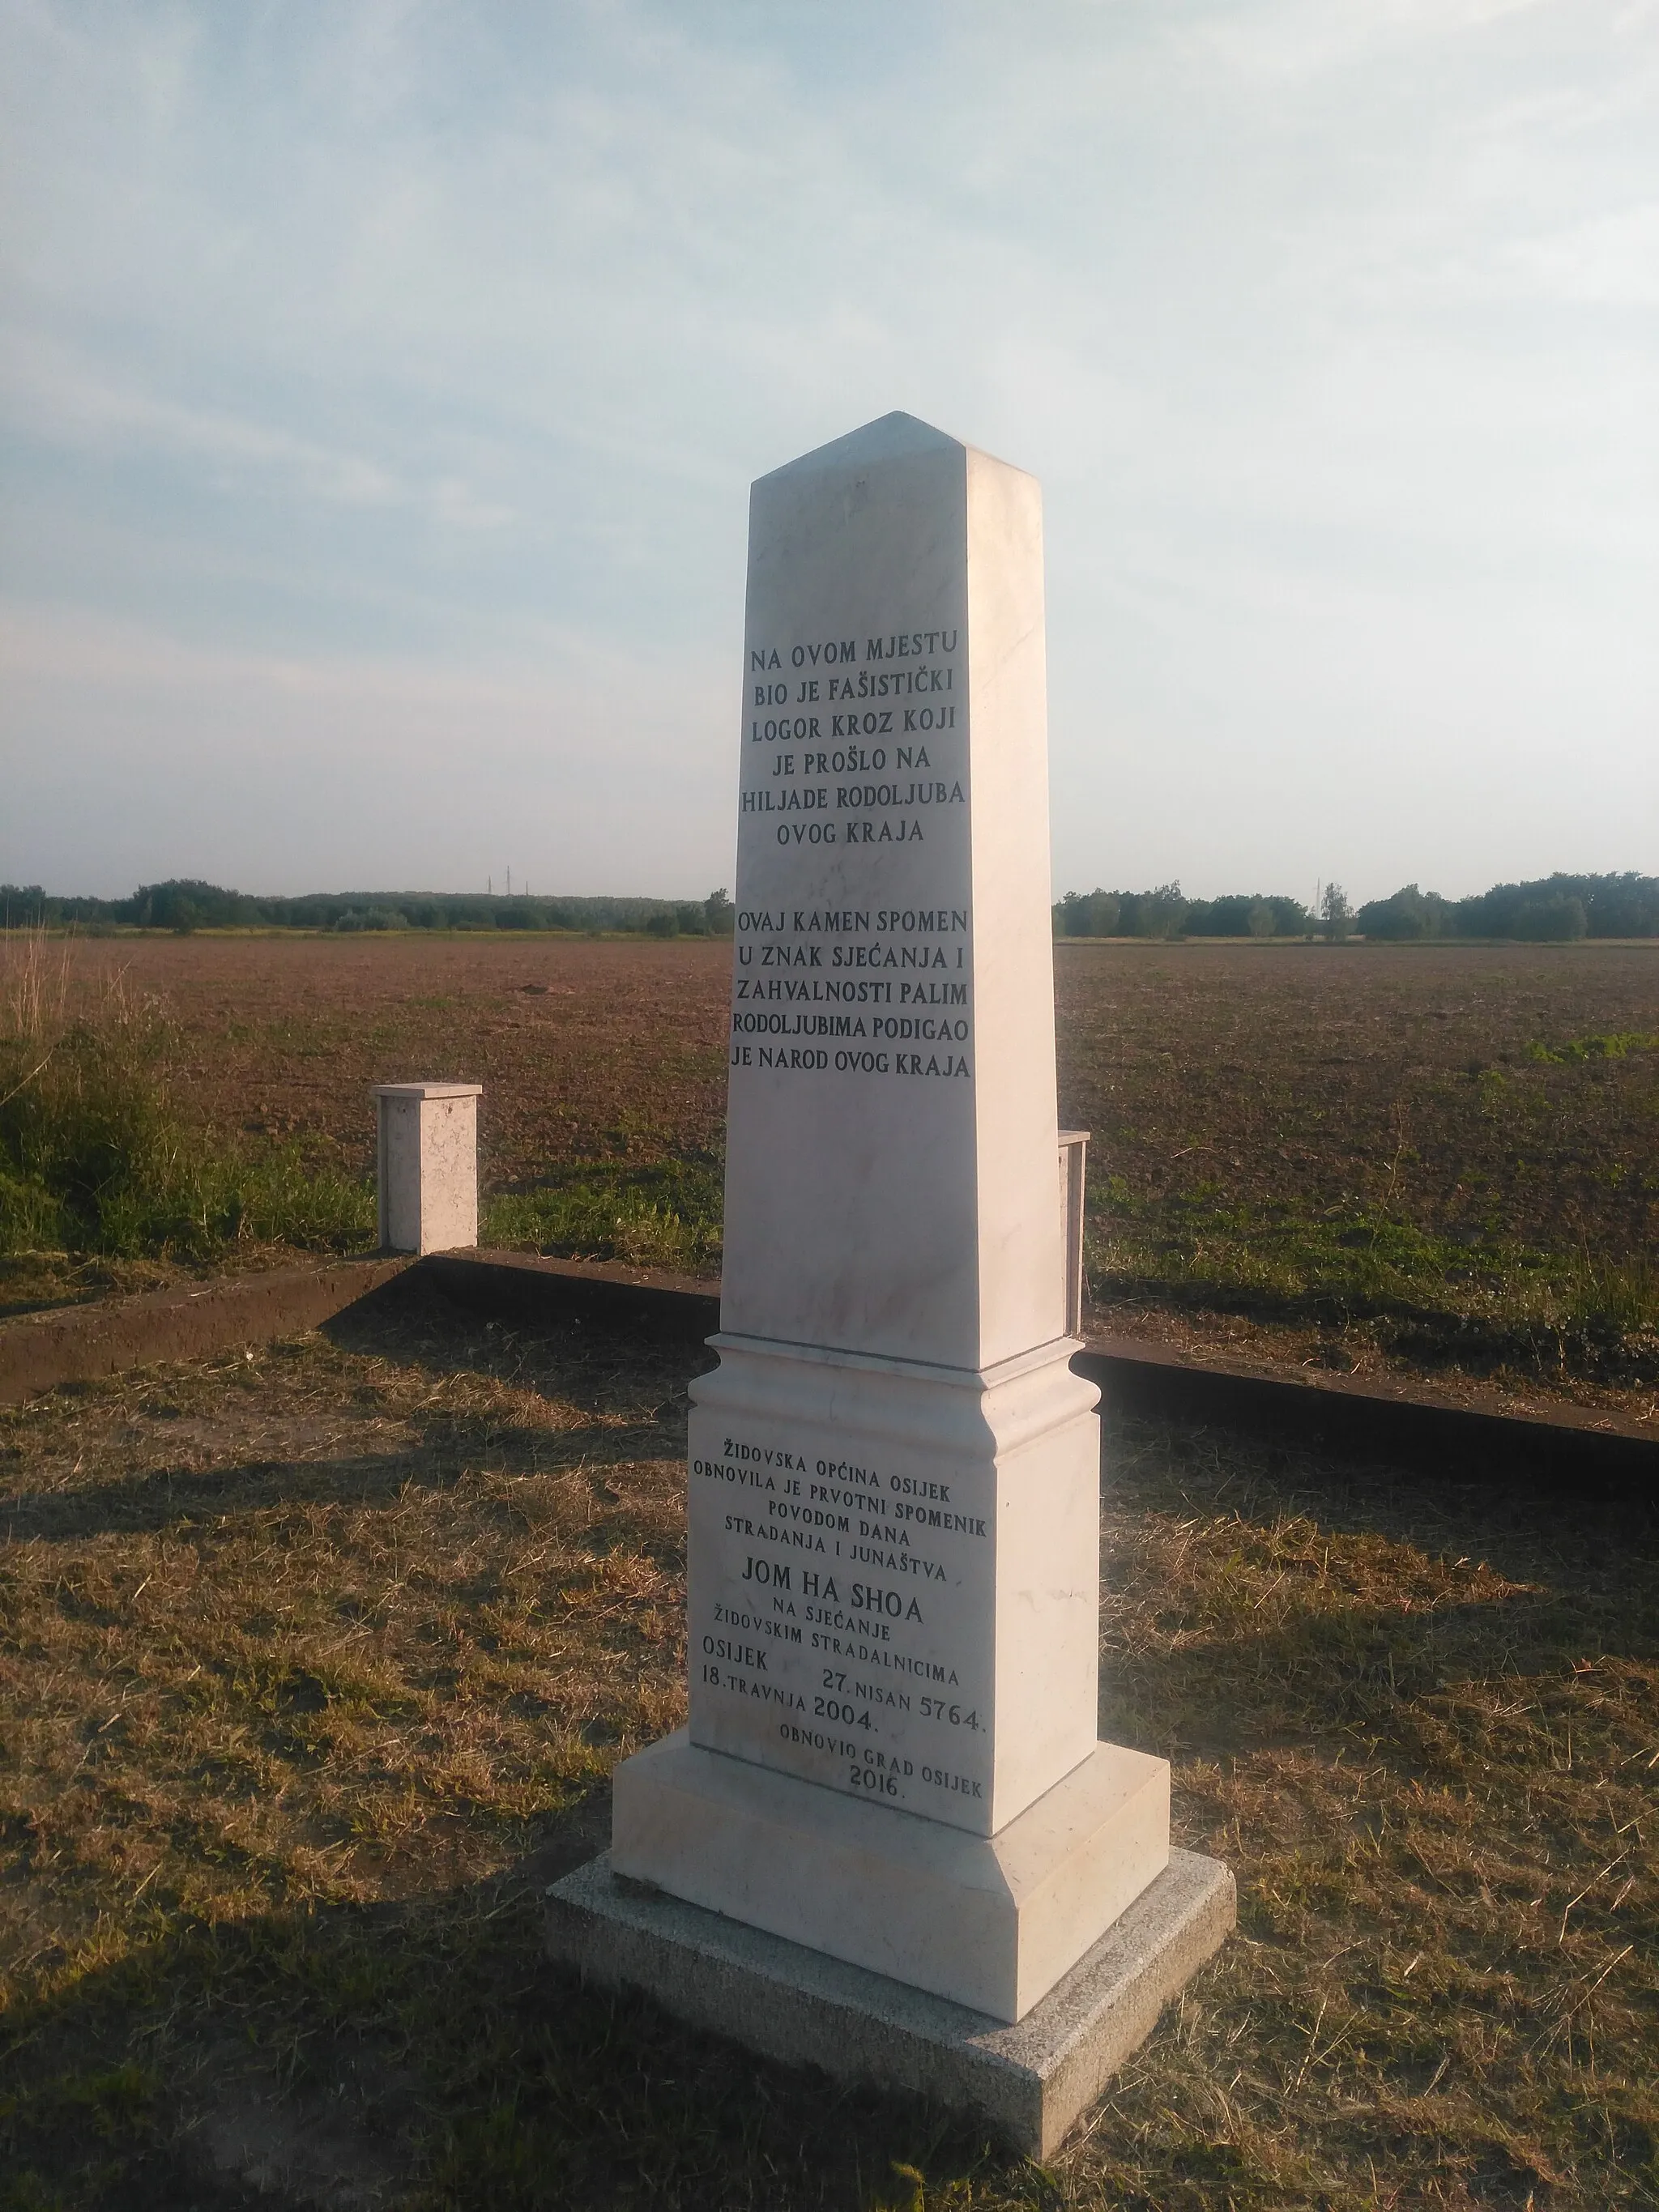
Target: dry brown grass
(1424,1724)
(313,1666)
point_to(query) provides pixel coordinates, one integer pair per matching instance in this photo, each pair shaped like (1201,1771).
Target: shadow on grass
(1481,1582)
(1389,1679)
(424,2052)
(172,1497)
(637,1394)
(627,1367)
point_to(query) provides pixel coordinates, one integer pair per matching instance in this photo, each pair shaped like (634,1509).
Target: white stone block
(893,1571)
(428,1159)
(992,1921)
(871,1204)
(1074,1178)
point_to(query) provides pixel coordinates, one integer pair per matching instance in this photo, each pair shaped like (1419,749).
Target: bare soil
(587,1049)
(1337,1077)
(1423,1159)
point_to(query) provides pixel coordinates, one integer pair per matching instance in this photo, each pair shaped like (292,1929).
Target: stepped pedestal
(892,1760)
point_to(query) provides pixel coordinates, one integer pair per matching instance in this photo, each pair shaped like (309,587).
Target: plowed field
(1357,1155)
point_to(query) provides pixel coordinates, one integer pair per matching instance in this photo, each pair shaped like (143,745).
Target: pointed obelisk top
(897,436)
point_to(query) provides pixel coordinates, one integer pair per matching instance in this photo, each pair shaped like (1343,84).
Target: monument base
(1029,2082)
(990,1922)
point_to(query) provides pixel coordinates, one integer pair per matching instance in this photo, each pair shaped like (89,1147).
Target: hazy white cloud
(424,353)
(1610,260)
(400,773)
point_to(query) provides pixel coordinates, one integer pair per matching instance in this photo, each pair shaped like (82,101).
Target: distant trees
(1561,907)
(373,918)
(1159,913)
(185,903)
(1165,911)
(22,906)
(1559,920)
(1247,915)
(1549,909)
(1408,913)
(713,916)
(1616,905)
(1087,913)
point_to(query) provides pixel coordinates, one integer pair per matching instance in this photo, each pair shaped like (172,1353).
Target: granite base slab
(1029,2082)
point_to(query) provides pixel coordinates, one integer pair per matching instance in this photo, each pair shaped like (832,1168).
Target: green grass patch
(664,1215)
(1450,1295)
(1618,1044)
(96,1157)
(97,1161)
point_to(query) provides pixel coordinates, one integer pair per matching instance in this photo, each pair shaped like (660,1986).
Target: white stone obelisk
(893,1614)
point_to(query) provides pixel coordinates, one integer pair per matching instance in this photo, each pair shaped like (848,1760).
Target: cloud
(424,338)
(58,397)
(1611,260)
(584,772)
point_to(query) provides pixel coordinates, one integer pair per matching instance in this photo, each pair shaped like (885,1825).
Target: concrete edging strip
(1414,1425)
(79,1344)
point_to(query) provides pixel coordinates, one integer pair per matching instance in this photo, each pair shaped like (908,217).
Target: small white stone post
(427,1161)
(1073,1155)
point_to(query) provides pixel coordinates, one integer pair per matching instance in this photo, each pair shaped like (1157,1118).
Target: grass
(1436,1300)
(1618,1045)
(100,1164)
(313,1666)
(96,1157)
(667,1214)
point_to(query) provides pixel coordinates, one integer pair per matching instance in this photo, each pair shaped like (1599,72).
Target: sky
(381,383)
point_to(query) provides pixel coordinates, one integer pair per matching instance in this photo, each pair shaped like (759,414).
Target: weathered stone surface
(992,1921)
(1030,2083)
(891,1116)
(428,1165)
(894,1492)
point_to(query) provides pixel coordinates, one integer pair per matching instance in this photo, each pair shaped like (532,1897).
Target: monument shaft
(892,1105)
(892,1564)
(894,1488)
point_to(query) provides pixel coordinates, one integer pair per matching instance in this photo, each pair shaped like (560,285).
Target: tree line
(1551,909)
(182,904)
(1556,909)
(1165,911)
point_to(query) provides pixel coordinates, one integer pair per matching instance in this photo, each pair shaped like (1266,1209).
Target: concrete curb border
(192,1320)
(1412,1426)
